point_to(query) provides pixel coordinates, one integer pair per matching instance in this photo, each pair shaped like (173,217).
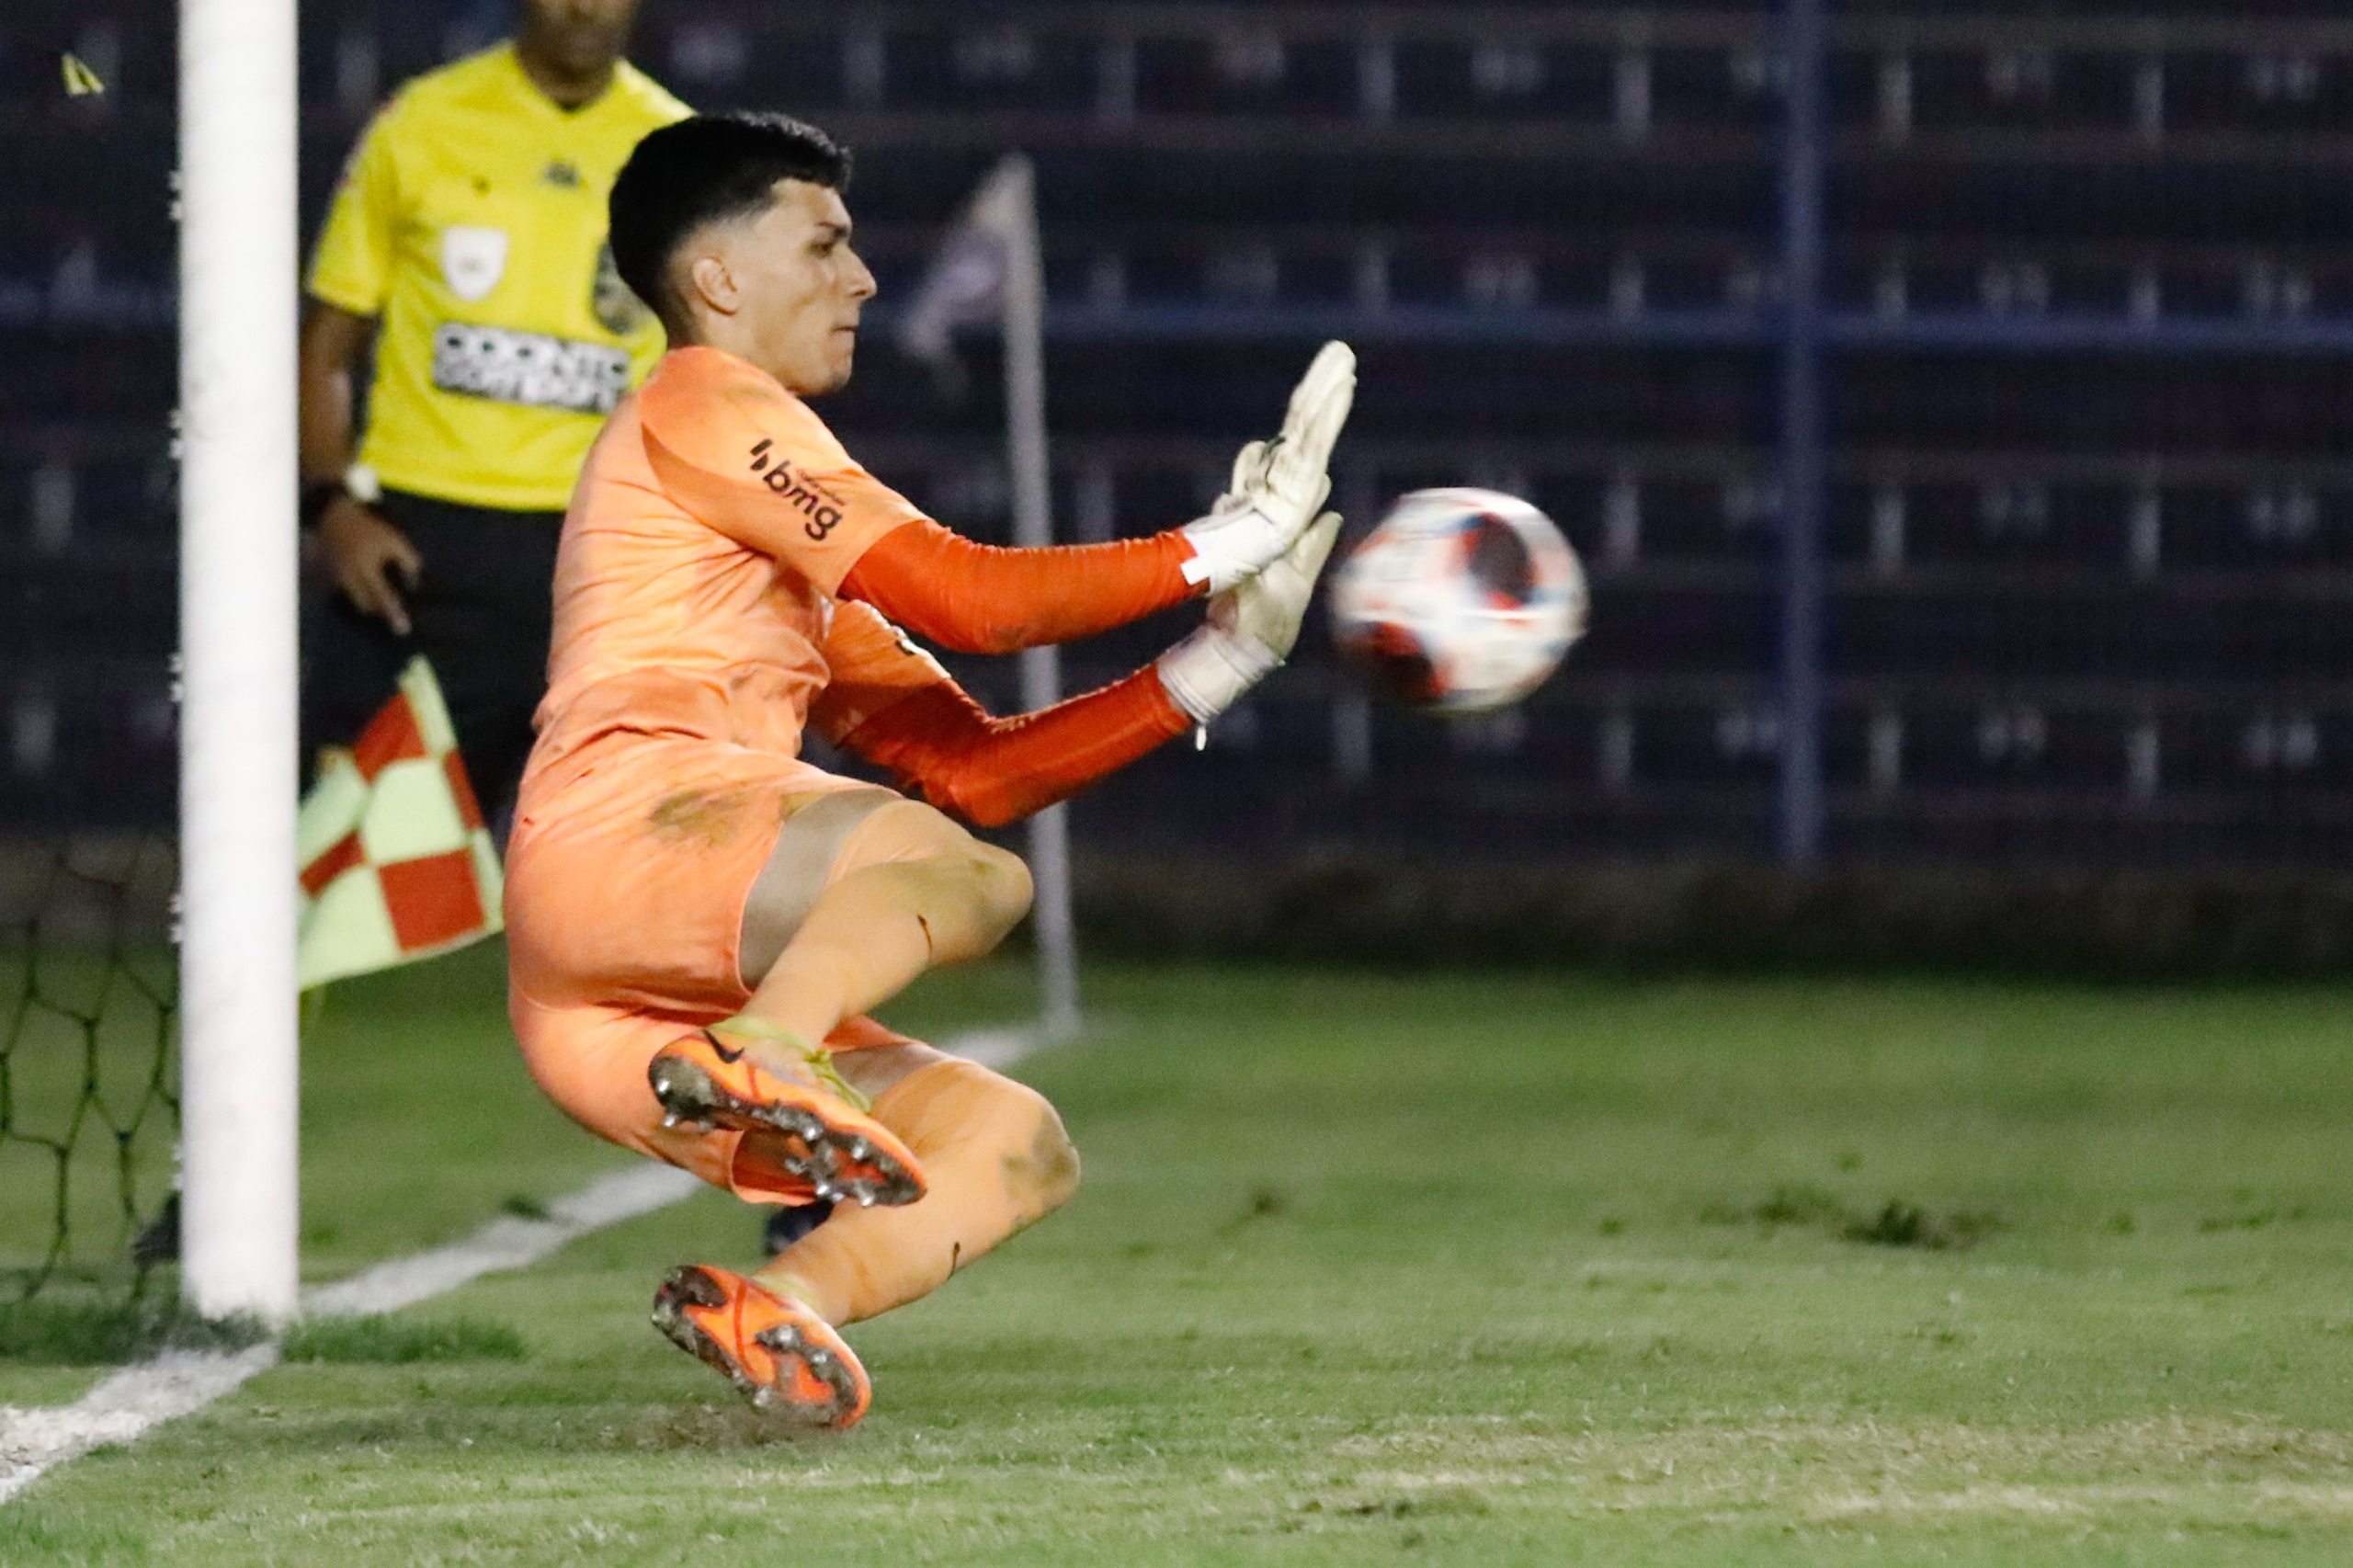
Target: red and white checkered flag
(397,864)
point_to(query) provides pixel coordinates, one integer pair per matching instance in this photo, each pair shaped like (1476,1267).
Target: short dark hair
(703,170)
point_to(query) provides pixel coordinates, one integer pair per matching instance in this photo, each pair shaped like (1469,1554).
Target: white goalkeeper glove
(1251,629)
(1279,486)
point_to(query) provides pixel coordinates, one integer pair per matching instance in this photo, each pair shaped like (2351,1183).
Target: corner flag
(397,864)
(968,280)
(988,270)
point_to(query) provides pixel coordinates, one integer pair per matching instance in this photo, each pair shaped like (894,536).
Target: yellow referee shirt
(470,221)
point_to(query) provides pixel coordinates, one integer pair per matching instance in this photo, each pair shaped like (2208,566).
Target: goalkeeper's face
(796,284)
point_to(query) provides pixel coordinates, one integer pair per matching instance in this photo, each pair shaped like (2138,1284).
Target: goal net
(90,1075)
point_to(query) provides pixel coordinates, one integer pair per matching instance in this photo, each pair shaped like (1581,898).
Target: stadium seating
(2088,524)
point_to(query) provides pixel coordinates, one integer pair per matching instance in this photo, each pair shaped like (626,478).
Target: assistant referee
(466,241)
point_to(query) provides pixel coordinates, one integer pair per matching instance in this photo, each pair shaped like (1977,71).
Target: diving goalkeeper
(697,918)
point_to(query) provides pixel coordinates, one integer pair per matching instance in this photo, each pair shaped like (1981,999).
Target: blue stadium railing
(1954,252)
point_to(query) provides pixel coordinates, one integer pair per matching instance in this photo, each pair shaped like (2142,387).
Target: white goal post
(239,1029)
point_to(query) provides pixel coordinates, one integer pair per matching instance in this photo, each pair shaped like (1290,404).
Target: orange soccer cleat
(783,1356)
(826,1139)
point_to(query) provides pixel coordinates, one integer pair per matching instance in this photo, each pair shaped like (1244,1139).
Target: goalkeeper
(700,919)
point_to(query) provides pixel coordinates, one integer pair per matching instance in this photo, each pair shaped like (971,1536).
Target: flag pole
(1033,529)
(239,1031)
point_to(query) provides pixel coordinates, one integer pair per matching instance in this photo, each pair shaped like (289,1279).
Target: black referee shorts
(481,613)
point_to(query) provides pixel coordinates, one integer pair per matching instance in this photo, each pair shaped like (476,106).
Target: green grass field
(1479,1269)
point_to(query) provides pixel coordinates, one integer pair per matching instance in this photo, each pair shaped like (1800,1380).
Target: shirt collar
(522,82)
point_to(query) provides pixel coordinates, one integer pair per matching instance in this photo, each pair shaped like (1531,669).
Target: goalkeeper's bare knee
(1001,887)
(979,891)
(997,1160)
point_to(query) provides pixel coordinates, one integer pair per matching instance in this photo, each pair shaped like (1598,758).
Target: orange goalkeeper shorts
(626,880)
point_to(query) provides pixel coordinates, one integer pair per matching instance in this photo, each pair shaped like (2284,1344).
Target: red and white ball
(1461,601)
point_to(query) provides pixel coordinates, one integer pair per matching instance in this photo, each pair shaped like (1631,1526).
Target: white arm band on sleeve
(1209,671)
(1230,546)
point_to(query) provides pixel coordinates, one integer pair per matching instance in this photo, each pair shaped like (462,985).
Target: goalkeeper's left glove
(1279,486)
(1250,631)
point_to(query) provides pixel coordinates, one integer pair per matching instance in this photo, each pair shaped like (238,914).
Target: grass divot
(1895,1223)
(1902,1224)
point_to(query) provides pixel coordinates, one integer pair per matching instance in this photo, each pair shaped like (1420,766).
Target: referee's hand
(363,553)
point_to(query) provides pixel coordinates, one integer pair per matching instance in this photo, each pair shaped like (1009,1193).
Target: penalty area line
(128,1403)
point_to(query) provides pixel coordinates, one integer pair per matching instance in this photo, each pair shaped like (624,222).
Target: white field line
(181,1383)
(502,1244)
(177,1382)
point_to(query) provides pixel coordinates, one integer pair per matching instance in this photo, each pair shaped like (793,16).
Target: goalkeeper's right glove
(1250,631)
(1279,486)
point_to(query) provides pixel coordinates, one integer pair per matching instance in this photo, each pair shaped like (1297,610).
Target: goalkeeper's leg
(863,892)
(996,1159)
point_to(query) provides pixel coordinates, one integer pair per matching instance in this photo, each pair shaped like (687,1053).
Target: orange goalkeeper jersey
(702,591)
(694,589)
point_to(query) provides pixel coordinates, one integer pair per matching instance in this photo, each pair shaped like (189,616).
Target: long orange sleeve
(978,598)
(944,746)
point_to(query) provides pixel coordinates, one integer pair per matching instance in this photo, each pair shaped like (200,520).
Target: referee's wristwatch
(359,482)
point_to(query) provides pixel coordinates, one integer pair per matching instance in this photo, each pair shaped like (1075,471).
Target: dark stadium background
(2039,651)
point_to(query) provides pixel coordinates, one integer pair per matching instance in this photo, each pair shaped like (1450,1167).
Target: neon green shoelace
(818,1059)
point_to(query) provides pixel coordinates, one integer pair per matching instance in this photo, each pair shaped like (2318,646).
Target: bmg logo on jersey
(820,506)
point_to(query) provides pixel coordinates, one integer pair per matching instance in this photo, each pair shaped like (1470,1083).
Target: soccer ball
(1460,602)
